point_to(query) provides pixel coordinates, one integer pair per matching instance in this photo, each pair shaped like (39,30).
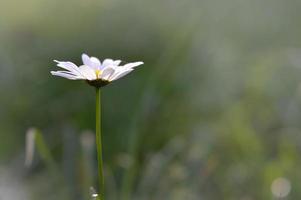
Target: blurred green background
(213,114)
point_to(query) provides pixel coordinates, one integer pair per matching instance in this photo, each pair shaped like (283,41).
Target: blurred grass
(213,114)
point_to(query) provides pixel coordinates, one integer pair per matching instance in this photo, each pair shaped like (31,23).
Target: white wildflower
(95,72)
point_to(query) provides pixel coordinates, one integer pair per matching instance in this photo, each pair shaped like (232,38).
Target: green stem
(99,144)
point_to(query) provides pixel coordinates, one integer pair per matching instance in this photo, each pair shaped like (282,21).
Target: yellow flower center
(98,73)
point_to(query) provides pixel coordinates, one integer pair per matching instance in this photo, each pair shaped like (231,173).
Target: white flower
(95,72)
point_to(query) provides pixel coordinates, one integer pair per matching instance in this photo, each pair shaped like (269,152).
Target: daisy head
(95,72)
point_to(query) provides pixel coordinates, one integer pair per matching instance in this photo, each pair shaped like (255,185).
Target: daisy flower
(96,73)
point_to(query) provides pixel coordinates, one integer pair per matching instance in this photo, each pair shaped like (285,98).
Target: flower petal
(68,66)
(95,62)
(86,59)
(117,62)
(107,62)
(110,62)
(91,61)
(120,74)
(65,75)
(132,65)
(70,73)
(107,73)
(87,72)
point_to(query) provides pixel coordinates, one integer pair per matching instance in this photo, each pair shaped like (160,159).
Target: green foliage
(213,114)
